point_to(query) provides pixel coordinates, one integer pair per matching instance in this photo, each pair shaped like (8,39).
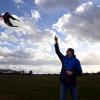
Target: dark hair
(72,50)
(7,13)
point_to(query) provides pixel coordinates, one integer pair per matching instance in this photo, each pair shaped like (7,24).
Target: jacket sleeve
(60,55)
(78,69)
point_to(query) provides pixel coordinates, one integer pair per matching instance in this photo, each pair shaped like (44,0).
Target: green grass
(24,87)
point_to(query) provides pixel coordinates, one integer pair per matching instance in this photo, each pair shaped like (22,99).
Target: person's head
(7,13)
(70,52)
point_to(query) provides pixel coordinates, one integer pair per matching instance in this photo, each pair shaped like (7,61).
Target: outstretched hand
(56,39)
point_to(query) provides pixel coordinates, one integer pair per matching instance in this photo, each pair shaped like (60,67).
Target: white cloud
(30,44)
(83,7)
(89,55)
(35,14)
(19,1)
(52,5)
(81,31)
(81,24)
(59,25)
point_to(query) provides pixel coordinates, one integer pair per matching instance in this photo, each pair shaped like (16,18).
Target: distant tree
(30,72)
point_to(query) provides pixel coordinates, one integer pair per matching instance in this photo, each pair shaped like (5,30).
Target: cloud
(4,51)
(18,1)
(26,44)
(52,5)
(35,14)
(30,47)
(91,59)
(89,55)
(84,6)
(83,23)
(81,32)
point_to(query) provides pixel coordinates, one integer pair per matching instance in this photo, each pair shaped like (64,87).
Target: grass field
(24,87)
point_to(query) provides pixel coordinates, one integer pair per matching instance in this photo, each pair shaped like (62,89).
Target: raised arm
(60,55)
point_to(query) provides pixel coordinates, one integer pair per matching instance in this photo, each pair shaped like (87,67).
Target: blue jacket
(68,64)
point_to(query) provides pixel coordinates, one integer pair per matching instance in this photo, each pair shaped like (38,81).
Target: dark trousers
(64,88)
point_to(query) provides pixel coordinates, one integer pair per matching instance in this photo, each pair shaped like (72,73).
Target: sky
(31,45)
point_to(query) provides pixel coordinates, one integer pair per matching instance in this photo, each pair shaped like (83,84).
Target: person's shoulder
(77,60)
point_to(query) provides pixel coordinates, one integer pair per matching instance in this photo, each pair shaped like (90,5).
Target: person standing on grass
(70,69)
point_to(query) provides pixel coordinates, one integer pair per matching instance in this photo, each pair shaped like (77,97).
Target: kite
(6,17)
